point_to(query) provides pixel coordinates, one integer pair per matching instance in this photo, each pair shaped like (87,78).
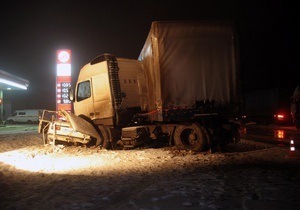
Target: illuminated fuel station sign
(63,79)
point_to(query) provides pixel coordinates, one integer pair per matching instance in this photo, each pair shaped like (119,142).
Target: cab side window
(83,90)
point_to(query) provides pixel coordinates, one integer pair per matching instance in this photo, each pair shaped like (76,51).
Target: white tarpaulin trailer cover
(191,61)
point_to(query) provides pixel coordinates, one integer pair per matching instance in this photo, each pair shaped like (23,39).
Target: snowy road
(251,175)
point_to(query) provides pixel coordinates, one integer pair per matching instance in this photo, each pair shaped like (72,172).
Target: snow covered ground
(249,175)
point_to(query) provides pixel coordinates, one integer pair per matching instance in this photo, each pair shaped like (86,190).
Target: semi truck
(184,89)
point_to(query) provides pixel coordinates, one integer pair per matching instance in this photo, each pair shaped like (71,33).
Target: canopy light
(24,87)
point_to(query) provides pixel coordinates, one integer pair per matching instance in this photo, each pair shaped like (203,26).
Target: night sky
(32,31)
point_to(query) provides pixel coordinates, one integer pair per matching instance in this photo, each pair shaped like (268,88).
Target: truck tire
(190,137)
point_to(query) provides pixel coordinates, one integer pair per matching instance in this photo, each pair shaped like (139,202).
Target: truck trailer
(184,88)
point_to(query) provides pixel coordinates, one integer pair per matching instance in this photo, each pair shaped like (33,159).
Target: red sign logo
(63,56)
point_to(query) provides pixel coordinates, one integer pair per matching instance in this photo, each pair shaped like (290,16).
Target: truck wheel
(190,137)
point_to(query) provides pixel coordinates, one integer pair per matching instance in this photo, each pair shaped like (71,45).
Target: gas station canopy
(11,82)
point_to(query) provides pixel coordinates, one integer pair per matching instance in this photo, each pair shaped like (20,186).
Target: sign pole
(63,79)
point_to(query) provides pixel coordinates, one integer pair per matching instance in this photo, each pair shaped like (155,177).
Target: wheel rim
(190,137)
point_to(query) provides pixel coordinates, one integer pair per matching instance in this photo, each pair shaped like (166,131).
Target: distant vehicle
(283,117)
(295,107)
(25,116)
(268,106)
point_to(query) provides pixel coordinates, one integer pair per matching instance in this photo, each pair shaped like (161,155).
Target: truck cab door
(84,104)
(103,105)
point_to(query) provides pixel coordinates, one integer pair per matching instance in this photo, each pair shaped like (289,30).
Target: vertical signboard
(63,79)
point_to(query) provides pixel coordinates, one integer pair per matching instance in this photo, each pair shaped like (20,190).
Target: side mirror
(71,94)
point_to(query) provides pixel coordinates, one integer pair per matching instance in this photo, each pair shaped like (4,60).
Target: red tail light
(280,117)
(57,127)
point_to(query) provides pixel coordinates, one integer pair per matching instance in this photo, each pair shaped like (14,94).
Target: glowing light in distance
(279,134)
(63,56)
(24,87)
(292,146)
(63,69)
(280,117)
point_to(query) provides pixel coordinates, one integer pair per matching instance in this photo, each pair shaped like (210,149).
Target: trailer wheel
(190,137)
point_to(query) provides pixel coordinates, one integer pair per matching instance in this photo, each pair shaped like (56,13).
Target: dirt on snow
(249,175)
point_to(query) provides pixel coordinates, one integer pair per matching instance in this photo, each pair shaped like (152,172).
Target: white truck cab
(109,84)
